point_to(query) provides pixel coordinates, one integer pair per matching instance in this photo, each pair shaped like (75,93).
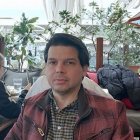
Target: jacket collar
(83,105)
(44,102)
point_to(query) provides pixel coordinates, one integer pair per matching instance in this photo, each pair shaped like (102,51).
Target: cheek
(49,72)
(77,74)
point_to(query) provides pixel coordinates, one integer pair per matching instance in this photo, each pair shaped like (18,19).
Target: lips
(59,81)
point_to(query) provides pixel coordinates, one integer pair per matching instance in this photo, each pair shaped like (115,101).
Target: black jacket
(121,83)
(110,77)
(8,108)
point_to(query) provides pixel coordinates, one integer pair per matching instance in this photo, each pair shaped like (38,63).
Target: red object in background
(134,68)
(127,103)
(92,76)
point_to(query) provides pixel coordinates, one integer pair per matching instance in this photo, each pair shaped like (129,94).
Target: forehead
(62,51)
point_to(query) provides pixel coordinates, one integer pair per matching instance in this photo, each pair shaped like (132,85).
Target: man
(67,111)
(8,108)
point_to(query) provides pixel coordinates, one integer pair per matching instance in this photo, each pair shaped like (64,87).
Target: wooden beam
(2,44)
(133,20)
(99,53)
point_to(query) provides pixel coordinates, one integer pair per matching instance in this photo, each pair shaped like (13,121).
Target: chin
(61,91)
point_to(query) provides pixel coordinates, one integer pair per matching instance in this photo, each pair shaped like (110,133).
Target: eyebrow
(74,59)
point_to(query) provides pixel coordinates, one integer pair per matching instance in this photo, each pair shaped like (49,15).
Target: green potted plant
(110,24)
(18,39)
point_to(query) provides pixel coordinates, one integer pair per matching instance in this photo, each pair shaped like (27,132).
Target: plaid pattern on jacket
(99,118)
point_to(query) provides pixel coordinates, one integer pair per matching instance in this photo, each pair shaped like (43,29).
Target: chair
(10,74)
(134,121)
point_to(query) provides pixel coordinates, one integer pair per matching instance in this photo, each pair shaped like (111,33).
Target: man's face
(63,69)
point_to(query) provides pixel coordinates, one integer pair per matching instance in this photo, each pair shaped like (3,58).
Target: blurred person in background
(8,107)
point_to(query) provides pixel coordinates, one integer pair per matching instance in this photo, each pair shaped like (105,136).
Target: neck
(64,100)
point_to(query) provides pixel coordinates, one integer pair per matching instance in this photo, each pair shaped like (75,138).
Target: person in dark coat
(9,108)
(123,84)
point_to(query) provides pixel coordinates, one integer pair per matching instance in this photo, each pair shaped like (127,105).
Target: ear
(85,69)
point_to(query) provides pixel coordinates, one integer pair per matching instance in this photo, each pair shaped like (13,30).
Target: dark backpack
(121,83)
(131,82)
(109,77)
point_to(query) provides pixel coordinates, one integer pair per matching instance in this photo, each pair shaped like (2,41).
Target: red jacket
(99,119)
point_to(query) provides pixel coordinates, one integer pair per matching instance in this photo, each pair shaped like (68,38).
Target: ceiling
(11,10)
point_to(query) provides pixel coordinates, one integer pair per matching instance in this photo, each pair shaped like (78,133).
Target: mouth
(60,81)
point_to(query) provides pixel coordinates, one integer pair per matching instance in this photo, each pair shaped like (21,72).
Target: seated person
(67,110)
(9,108)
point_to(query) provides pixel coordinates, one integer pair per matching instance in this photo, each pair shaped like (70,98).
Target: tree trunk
(99,53)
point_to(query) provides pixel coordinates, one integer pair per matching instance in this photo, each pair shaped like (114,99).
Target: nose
(60,68)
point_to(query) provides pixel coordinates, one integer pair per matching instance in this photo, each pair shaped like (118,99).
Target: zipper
(104,131)
(39,130)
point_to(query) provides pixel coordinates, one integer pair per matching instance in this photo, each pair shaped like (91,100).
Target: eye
(51,62)
(70,62)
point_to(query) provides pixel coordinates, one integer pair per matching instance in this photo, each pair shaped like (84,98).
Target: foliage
(19,38)
(109,24)
(132,56)
(72,24)
(120,35)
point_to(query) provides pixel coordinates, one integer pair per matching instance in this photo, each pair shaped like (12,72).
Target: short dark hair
(69,40)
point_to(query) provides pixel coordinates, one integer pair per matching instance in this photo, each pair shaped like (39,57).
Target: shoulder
(38,101)
(104,103)
(36,98)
